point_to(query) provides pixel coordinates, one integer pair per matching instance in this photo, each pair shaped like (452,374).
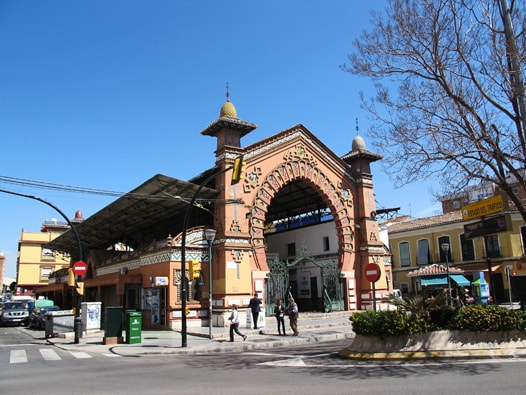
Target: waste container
(113,322)
(61,321)
(133,327)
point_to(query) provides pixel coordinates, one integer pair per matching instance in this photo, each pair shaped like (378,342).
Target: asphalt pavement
(312,327)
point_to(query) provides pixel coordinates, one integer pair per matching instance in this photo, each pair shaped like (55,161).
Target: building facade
(36,261)
(418,243)
(134,247)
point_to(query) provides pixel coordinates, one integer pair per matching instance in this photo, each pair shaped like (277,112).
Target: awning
(434,280)
(460,280)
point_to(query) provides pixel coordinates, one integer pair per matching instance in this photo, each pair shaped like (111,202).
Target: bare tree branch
(457,115)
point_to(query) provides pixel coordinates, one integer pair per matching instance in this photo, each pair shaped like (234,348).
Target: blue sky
(106,94)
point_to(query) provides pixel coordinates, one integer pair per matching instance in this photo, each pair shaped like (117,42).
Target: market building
(301,222)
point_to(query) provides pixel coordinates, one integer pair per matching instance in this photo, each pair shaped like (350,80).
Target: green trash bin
(133,327)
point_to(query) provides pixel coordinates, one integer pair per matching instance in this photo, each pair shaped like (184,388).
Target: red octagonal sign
(372,272)
(80,268)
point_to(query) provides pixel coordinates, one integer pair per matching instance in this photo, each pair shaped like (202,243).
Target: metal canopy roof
(157,208)
(294,198)
(150,212)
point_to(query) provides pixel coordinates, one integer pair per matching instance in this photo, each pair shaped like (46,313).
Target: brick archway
(336,197)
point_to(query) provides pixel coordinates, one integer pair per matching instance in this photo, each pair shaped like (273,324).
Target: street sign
(501,223)
(372,272)
(80,268)
(492,205)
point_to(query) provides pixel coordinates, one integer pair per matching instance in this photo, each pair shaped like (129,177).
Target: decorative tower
(232,250)
(368,246)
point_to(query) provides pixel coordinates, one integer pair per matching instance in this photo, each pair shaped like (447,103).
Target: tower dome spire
(228,110)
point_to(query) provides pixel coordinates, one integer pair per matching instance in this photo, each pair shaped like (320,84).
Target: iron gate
(278,283)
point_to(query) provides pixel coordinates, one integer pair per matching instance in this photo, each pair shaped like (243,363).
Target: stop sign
(80,268)
(372,272)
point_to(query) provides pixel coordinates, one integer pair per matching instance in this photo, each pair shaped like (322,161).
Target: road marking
(18,356)
(17,345)
(80,354)
(287,362)
(271,354)
(49,355)
(112,355)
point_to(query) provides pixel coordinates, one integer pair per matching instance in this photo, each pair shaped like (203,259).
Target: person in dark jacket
(255,308)
(279,312)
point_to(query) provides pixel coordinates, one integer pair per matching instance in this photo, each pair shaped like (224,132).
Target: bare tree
(459,113)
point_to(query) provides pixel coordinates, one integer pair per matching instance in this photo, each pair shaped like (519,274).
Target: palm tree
(417,305)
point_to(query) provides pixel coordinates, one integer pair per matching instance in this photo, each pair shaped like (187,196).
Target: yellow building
(36,261)
(444,240)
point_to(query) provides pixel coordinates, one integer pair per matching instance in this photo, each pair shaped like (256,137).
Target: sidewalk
(312,327)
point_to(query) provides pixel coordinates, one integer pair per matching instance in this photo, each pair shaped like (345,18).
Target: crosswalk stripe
(49,355)
(80,354)
(18,356)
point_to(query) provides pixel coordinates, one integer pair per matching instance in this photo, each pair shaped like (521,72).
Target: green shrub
(387,323)
(485,317)
(443,318)
(480,317)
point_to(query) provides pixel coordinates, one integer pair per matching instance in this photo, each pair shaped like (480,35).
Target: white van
(26,299)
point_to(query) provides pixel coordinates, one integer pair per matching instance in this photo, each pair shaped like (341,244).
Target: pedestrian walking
(293,316)
(279,312)
(255,308)
(234,324)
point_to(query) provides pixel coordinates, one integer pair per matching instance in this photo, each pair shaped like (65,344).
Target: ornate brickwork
(300,164)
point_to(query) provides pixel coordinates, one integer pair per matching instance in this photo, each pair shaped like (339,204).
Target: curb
(437,354)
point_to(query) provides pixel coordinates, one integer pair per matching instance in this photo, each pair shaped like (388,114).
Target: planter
(438,344)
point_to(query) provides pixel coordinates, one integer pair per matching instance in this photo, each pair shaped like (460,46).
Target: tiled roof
(421,223)
(433,270)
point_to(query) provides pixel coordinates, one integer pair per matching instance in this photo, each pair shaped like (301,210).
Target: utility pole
(516,74)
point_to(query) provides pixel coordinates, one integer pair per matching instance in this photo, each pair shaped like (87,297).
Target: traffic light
(71,277)
(80,288)
(187,310)
(193,267)
(239,170)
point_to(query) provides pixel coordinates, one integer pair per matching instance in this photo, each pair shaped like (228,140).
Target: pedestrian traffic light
(193,267)
(71,277)
(239,170)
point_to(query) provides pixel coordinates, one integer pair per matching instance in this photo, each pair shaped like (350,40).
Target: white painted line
(18,356)
(49,355)
(80,355)
(288,362)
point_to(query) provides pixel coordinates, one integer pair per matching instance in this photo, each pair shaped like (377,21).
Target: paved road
(305,368)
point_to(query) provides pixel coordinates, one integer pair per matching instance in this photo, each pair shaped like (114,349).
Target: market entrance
(313,283)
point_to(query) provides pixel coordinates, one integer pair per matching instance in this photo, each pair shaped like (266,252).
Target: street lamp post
(77,325)
(445,248)
(210,235)
(184,334)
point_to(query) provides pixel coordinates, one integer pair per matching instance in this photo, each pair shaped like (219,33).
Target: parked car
(37,319)
(14,313)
